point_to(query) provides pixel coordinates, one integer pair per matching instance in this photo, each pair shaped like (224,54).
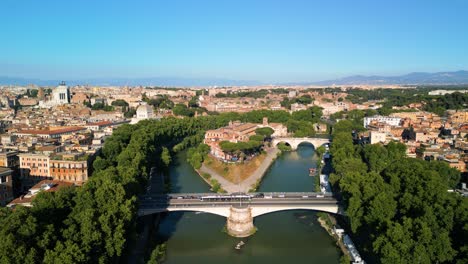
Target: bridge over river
(239,209)
(294,142)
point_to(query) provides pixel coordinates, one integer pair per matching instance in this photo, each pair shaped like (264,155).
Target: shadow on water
(182,178)
(173,176)
(169,230)
(306,150)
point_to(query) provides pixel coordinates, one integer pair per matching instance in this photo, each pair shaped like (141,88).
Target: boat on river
(239,245)
(312,171)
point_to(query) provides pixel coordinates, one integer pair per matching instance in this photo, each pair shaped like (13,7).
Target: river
(288,236)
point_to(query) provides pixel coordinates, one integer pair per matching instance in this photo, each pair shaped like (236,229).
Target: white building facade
(392,121)
(60,95)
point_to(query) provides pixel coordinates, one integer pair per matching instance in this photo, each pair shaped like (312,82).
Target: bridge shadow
(148,226)
(306,154)
(167,226)
(158,227)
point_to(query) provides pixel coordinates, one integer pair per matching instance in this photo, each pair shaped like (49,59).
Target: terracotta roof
(5,169)
(101,123)
(56,186)
(50,132)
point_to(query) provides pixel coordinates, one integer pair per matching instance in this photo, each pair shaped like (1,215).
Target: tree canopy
(398,207)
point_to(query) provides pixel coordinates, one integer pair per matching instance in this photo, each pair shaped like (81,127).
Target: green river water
(282,237)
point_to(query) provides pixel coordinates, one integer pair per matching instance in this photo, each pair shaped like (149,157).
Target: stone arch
(307,143)
(294,142)
(284,141)
(329,209)
(215,211)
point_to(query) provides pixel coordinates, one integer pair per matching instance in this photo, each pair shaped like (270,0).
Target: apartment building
(9,159)
(392,121)
(33,169)
(72,168)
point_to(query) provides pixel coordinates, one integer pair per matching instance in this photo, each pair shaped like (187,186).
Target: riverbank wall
(327,222)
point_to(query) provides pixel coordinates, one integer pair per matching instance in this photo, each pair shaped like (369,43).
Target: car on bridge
(259,195)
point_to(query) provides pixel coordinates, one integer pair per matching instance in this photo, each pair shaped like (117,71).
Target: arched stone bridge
(294,142)
(239,212)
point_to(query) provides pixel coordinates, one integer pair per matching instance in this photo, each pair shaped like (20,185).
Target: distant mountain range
(452,78)
(449,78)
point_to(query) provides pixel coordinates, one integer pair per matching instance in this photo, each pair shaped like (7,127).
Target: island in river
(242,177)
(286,236)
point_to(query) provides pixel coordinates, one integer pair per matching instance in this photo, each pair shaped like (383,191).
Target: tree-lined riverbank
(295,235)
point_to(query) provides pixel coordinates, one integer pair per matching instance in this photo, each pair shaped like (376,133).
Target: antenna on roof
(62,83)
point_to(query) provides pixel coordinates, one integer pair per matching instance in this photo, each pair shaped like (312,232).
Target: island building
(238,132)
(234,132)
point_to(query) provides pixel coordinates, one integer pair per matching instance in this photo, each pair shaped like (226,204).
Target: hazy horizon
(264,41)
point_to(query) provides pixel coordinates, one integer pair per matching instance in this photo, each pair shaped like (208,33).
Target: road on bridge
(267,199)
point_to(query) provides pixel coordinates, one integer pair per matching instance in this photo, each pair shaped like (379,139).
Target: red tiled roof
(101,123)
(50,132)
(57,185)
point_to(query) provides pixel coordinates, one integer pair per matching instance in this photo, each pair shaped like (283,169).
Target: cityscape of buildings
(54,133)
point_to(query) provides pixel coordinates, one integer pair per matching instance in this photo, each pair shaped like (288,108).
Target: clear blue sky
(271,41)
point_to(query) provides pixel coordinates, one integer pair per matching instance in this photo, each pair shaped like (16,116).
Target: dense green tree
(266,132)
(183,110)
(32,93)
(102,106)
(166,156)
(158,254)
(130,113)
(398,207)
(257,138)
(119,102)
(450,176)
(18,233)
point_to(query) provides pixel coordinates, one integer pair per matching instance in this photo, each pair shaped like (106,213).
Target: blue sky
(270,41)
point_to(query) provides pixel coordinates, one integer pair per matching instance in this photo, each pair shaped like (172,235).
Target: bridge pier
(294,146)
(240,222)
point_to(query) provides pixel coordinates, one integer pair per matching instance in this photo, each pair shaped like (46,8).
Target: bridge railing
(316,136)
(199,195)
